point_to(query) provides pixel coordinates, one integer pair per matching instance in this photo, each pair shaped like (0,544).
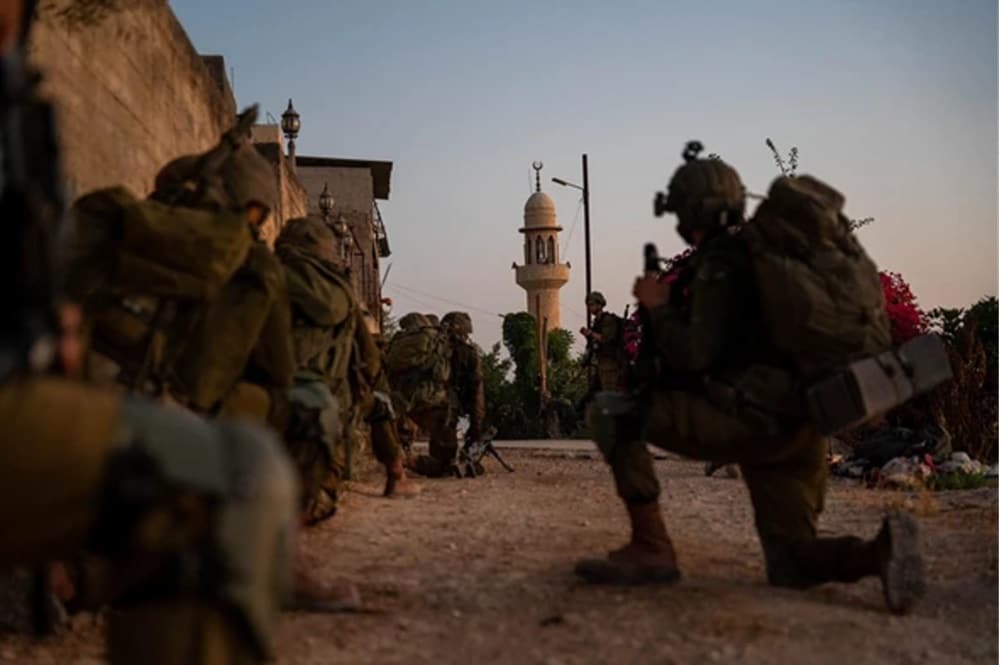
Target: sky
(893,102)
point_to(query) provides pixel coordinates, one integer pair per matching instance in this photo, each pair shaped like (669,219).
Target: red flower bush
(633,328)
(906,319)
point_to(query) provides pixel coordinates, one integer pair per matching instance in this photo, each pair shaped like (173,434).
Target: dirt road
(480,571)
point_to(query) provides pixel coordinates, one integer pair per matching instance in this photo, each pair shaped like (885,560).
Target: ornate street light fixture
(343,232)
(291,123)
(326,202)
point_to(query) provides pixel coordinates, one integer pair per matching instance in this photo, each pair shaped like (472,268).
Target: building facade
(357,186)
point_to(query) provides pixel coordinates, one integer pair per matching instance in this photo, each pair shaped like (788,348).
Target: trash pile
(904,458)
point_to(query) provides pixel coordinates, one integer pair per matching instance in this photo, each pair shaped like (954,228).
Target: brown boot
(901,566)
(397,485)
(311,594)
(647,559)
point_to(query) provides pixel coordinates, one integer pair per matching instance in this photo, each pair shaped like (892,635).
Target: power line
(445,300)
(572,227)
(412,299)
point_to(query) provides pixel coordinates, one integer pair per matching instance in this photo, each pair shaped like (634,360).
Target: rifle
(645,371)
(32,205)
(471,455)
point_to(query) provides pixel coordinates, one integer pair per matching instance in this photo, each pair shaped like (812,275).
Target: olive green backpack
(418,364)
(175,296)
(819,291)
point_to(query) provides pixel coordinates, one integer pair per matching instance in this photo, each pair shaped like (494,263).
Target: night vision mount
(691,151)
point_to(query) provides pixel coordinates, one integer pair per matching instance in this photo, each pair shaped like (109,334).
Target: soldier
(336,352)
(230,354)
(716,341)
(196,518)
(466,397)
(605,346)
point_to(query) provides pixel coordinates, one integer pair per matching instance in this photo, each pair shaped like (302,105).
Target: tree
(514,402)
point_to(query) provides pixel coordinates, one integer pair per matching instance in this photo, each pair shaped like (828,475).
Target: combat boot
(397,485)
(310,594)
(900,565)
(648,558)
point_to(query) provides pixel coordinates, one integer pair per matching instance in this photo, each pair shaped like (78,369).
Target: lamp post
(291,123)
(343,231)
(586,220)
(326,202)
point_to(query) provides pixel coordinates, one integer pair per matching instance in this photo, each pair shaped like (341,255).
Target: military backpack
(819,291)
(418,363)
(161,286)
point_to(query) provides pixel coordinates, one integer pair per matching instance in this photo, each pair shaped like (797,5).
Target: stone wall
(292,195)
(132,92)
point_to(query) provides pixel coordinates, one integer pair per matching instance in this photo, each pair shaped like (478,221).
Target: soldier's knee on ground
(430,467)
(808,562)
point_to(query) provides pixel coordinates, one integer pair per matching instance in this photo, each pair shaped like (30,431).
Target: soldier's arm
(718,298)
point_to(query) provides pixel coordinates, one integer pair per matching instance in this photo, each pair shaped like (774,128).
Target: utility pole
(586,221)
(586,228)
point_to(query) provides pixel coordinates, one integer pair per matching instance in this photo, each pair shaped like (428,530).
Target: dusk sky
(894,102)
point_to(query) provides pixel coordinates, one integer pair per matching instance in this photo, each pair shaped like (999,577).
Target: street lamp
(343,231)
(326,202)
(586,221)
(291,123)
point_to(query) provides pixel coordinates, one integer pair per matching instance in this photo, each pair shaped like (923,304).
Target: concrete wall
(131,90)
(292,195)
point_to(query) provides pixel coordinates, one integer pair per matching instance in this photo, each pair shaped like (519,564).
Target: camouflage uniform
(608,351)
(466,397)
(726,396)
(339,379)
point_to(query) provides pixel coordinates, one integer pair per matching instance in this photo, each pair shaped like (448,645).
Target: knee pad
(246,479)
(315,415)
(614,420)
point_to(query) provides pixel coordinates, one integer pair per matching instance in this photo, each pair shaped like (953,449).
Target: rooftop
(381,171)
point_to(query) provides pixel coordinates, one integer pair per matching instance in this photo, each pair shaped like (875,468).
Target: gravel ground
(480,571)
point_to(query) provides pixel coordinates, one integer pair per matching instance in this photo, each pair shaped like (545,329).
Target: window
(539,250)
(527,251)
(552,250)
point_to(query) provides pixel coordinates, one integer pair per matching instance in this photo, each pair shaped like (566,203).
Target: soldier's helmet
(433,320)
(458,323)
(307,235)
(703,193)
(230,176)
(413,321)
(596,298)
